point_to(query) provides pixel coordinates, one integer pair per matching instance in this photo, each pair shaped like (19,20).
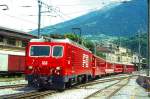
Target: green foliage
(73,37)
(56,36)
(133,43)
(87,43)
(100,54)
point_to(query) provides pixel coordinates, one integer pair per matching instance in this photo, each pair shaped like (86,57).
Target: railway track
(108,91)
(28,95)
(10,79)
(13,86)
(101,81)
(36,94)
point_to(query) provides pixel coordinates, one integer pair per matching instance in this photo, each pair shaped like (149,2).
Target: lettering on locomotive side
(85,62)
(44,62)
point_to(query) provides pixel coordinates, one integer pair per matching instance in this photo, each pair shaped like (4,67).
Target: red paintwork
(118,68)
(109,68)
(129,68)
(16,63)
(22,63)
(99,66)
(72,62)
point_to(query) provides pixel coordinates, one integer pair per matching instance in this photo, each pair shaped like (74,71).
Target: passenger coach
(12,62)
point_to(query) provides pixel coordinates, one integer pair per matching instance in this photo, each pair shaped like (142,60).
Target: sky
(23,14)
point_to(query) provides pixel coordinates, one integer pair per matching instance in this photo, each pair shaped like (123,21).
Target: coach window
(57,51)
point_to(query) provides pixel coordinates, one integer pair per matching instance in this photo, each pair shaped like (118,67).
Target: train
(12,63)
(61,63)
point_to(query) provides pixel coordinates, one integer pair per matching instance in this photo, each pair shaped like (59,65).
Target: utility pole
(148,37)
(139,50)
(50,9)
(39,17)
(73,30)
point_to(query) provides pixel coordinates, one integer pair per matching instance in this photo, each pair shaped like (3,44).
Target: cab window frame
(53,51)
(50,47)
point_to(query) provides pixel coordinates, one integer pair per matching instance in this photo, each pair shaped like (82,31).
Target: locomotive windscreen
(39,50)
(57,51)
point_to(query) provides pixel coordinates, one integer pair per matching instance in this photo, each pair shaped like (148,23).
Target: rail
(108,91)
(38,94)
(102,81)
(28,95)
(13,86)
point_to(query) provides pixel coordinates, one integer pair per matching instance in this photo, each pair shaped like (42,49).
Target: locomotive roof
(67,40)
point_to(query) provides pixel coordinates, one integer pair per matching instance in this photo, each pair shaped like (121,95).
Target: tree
(73,37)
(89,44)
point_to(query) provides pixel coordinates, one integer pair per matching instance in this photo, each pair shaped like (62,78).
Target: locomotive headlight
(58,68)
(30,67)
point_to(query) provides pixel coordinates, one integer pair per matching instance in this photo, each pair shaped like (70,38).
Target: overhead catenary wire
(18,18)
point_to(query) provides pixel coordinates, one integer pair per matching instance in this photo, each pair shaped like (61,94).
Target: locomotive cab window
(39,50)
(57,51)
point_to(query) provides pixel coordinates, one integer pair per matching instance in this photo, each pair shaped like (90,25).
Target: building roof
(7,32)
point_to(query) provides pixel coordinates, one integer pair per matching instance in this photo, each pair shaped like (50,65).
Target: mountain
(122,19)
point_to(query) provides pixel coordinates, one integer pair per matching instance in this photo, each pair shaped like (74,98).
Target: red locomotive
(60,63)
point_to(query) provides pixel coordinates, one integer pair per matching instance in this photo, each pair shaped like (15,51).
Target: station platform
(132,91)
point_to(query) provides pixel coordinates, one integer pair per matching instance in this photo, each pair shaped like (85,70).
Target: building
(13,40)
(115,53)
(12,50)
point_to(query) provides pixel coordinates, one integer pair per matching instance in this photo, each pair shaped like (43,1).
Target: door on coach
(73,61)
(93,66)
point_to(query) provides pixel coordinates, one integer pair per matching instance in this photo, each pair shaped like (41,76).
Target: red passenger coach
(12,62)
(98,66)
(129,68)
(109,68)
(118,68)
(57,63)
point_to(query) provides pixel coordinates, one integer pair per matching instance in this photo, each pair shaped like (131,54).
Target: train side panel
(3,62)
(109,68)
(13,63)
(78,61)
(22,63)
(16,63)
(118,68)
(129,68)
(100,66)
